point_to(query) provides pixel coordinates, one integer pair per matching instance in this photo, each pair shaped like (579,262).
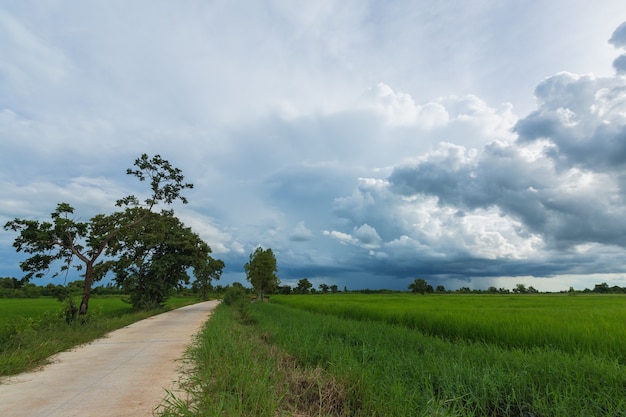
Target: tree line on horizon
(11,287)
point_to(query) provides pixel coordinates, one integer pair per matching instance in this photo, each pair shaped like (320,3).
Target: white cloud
(340,236)
(28,59)
(396,107)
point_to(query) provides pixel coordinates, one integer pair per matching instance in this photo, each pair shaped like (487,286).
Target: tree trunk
(84,303)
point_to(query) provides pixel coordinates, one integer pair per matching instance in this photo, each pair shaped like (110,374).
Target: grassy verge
(238,373)
(36,329)
(360,368)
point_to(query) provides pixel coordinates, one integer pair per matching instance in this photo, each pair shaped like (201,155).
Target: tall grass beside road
(376,368)
(236,372)
(32,330)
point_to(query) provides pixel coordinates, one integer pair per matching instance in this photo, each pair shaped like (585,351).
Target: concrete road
(124,374)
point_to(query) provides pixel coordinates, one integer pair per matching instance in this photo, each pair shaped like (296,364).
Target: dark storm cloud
(565,206)
(583,120)
(550,202)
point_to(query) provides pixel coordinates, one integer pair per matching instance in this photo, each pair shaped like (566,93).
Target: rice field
(367,355)
(594,324)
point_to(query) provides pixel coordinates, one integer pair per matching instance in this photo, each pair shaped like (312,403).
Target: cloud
(367,236)
(620,64)
(549,201)
(32,59)
(618,38)
(364,143)
(583,118)
(398,108)
(364,236)
(300,233)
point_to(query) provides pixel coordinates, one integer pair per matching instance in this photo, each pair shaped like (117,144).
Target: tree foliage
(205,271)
(304,286)
(420,286)
(262,271)
(152,258)
(65,239)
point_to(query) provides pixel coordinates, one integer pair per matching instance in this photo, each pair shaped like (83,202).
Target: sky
(368,143)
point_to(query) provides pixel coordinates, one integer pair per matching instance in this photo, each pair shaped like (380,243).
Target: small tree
(205,271)
(284,289)
(261,271)
(601,288)
(520,289)
(420,286)
(303,287)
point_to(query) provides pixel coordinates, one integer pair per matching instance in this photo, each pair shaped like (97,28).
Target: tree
(303,287)
(284,289)
(205,271)
(152,258)
(324,288)
(601,288)
(261,271)
(64,239)
(520,289)
(420,286)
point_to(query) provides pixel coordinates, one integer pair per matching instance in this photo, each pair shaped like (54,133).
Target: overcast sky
(368,143)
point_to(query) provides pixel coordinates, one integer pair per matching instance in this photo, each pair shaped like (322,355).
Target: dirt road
(122,375)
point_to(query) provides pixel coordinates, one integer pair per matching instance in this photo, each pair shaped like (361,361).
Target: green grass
(15,308)
(32,330)
(583,323)
(375,367)
(237,373)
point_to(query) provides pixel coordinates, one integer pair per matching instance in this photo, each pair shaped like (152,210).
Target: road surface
(125,374)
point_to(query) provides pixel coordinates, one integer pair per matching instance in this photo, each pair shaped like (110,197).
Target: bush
(236,296)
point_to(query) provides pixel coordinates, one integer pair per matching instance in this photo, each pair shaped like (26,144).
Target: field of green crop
(33,329)
(34,308)
(582,323)
(13,308)
(412,355)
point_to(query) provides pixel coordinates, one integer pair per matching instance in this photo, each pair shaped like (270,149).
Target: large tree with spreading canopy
(66,239)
